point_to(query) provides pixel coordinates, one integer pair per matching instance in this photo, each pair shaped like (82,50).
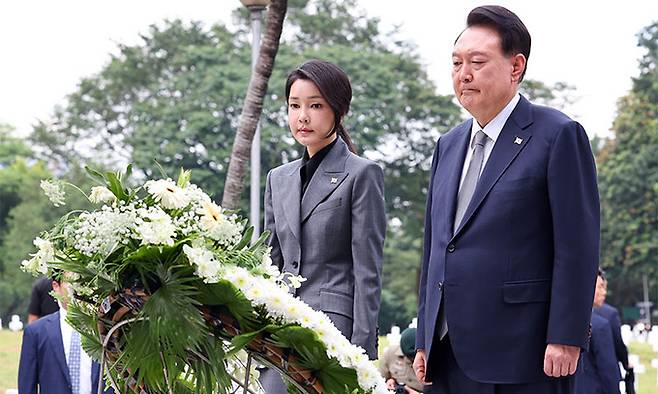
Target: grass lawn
(10,349)
(646,382)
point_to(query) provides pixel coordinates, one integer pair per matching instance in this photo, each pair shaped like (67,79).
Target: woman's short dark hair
(334,85)
(514,36)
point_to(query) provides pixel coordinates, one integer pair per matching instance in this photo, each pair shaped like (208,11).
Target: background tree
(24,213)
(628,183)
(253,104)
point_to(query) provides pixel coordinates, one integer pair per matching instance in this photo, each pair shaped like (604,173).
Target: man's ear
(55,285)
(518,66)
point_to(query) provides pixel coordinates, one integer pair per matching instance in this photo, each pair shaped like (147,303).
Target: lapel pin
(518,141)
(334,180)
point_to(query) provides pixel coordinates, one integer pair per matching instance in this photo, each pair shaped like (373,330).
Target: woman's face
(309,116)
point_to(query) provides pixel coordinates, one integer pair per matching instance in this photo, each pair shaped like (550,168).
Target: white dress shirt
(85,360)
(492,130)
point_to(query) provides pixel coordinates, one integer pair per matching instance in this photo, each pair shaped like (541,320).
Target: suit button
(295,264)
(451,248)
(440,285)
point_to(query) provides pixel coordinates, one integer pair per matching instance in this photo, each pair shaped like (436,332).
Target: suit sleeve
(28,371)
(420,330)
(606,361)
(368,231)
(574,202)
(270,224)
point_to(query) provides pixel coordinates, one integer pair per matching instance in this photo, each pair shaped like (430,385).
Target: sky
(49,46)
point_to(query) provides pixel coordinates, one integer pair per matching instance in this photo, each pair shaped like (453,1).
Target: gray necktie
(471,178)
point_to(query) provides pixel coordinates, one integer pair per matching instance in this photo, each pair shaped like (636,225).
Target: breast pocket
(517,188)
(328,205)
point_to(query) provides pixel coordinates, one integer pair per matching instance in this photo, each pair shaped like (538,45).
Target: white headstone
(15,324)
(626,333)
(394,336)
(414,323)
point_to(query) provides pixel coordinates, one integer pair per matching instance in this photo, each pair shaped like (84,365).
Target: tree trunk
(253,104)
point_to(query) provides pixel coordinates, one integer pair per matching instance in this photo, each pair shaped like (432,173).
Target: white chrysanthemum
(218,226)
(280,303)
(101,194)
(155,227)
(54,191)
(39,261)
(167,193)
(207,266)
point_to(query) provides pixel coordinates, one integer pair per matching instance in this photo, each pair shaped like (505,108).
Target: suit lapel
(511,141)
(455,156)
(55,339)
(329,175)
(291,206)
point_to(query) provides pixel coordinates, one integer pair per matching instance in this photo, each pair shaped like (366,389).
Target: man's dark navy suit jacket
(519,272)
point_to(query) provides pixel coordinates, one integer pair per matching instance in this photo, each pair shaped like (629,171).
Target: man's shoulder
(599,323)
(548,115)
(456,131)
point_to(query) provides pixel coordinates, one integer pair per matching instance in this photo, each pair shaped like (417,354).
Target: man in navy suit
(511,230)
(599,373)
(611,314)
(52,360)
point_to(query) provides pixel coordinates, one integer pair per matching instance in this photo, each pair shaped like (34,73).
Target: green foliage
(628,182)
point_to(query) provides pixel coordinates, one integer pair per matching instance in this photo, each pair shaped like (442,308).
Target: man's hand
(419,365)
(560,360)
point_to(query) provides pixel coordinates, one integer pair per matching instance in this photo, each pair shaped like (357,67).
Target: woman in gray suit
(326,210)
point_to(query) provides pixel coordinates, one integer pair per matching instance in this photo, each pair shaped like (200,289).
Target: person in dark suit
(326,210)
(611,314)
(52,360)
(599,373)
(511,229)
(41,302)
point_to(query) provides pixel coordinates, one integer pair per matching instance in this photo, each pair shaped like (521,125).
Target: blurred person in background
(611,314)
(396,365)
(52,360)
(599,372)
(41,302)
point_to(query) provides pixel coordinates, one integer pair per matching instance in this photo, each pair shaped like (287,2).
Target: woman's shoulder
(361,163)
(285,169)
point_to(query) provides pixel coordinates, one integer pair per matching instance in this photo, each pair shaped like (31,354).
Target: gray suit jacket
(334,237)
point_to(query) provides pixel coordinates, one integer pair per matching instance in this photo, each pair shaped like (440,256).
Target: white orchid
(101,194)
(39,261)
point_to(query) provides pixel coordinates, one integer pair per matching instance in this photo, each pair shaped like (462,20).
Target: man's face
(600,292)
(64,290)
(484,79)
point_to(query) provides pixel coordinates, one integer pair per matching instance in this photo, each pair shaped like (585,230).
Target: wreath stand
(129,302)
